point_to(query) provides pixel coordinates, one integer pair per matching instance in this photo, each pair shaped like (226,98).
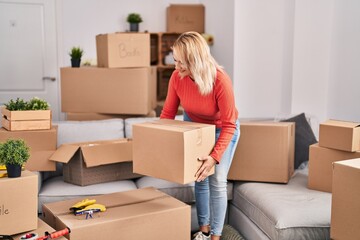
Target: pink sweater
(216,108)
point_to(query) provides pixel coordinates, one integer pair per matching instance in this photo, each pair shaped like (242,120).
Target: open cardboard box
(94,162)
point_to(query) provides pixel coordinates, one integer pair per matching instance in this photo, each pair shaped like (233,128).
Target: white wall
(294,56)
(284,56)
(312,47)
(219,21)
(263,56)
(344,84)
(80,21)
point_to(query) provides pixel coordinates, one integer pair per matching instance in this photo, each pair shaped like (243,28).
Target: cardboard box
(25,120)
(18,203)
(40,231)
(185,17)
(117,50)
(340,135)
(96,162)
(42,143)
(130,215)
(320,166)
(265,152)
(168,149)
(102,116)
(108,90)
(345,207)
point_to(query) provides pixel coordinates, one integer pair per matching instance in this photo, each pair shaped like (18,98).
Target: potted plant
(134,19)
(13,154)
(76,53)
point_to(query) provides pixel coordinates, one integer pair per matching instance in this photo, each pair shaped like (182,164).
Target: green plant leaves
(33,104)
(14,151)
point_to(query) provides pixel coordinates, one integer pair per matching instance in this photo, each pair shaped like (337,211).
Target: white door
(28,60)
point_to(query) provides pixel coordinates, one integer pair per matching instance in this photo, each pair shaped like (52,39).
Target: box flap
(107,152)
(339,123)
(64,153)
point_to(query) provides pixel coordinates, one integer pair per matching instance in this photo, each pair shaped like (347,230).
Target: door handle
(53,79)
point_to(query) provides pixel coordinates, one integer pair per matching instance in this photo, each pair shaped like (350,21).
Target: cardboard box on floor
(42,143)
(40,231)
(185,17)
(18,203)
(265,152)
(168,149)
(94,162)
(341,135)
(108,90)
(122,50)
(129,215)
(345,207)
(321,161)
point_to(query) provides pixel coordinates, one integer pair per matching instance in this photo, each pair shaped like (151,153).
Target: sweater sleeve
(228,116)
(172,101)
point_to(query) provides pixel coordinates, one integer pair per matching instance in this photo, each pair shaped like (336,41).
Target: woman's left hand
(204,170)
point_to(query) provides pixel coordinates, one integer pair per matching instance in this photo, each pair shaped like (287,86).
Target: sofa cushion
(83,131)
(55,189)
(304,137)
(183,192)
(285,211)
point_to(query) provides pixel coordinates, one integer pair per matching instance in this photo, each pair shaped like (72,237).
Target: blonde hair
(194,52)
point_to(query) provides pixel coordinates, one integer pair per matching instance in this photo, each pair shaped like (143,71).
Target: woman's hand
(204,170)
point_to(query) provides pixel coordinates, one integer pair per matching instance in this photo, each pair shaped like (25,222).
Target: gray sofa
(256,210)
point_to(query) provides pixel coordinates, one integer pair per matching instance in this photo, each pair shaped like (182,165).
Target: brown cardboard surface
(42,145)
(40,231)
(108,90)
(18,203)
(320,166)
(96,153)
(117,50)
(25,120)
(168,149)
(129,214)
(94,162)
(265,152)
(26,115)
(341,135)
(185,17)
(345,208)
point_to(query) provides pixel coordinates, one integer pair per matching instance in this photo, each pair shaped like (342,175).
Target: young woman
(205,92)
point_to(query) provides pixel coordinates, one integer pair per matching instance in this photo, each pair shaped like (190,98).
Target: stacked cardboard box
(338,140)
(185,17)
(345,208)
(123,83)
(265,152)
(42,145)
(18,203)
(25,120)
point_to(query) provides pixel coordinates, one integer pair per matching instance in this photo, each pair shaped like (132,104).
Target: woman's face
(180,66)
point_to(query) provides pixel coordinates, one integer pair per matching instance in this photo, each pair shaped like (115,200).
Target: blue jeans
(211,194)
